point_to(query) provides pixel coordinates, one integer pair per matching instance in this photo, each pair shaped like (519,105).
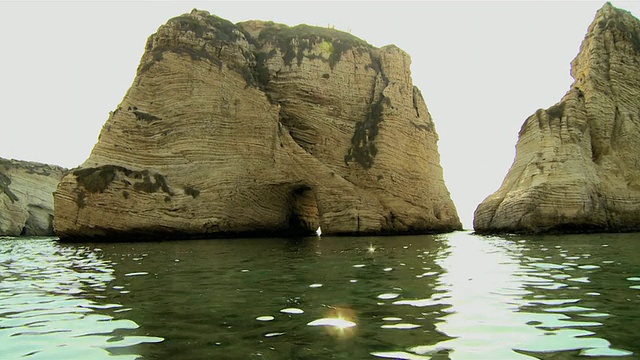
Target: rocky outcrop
(26,197)
(258,128)
(577,164)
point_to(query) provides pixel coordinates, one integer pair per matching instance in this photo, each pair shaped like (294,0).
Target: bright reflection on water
(496,309)
(453,296)
(50,307)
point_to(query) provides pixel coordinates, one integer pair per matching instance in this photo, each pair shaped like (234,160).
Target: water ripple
(45,307)
(452,296)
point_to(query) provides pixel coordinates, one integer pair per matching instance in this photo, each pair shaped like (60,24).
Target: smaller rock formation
(26,197)
(577,164)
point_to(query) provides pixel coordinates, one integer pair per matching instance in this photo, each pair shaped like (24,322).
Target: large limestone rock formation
(260,128)
(577,164)
(26,197)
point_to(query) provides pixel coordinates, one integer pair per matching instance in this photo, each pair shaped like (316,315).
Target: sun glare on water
(338,323)
(339,320)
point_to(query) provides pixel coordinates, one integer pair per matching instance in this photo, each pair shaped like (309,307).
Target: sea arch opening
(304,215)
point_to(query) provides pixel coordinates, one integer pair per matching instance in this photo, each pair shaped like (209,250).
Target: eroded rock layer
(577,164)
(258,128)
(26,197)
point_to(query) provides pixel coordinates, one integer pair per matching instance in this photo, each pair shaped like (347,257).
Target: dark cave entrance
(304,218)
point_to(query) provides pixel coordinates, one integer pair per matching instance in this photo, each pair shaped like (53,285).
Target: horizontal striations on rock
(26,197)
(577,164)
(260,128)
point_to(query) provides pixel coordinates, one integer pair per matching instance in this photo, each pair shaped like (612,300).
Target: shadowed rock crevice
(5,181)
(302,133)
(304,219)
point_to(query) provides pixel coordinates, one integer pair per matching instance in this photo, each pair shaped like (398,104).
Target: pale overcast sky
(483,68)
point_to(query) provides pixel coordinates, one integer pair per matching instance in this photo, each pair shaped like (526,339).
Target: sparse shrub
(141,115)
(189,190)
(294,41)
(556,111)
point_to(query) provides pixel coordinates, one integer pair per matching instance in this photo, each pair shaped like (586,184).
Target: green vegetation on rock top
(217,33)
(221,30)
(294,41)
(279,32)
(215,30)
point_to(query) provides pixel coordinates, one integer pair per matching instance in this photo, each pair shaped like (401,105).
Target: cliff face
(577,164)
(257,128)
(26,197)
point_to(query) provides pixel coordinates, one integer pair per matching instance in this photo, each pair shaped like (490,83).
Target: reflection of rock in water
(51,302)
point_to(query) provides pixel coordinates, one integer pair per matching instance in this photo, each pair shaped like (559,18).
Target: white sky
(483,68)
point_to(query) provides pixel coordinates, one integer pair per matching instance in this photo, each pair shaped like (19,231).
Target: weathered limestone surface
(260,128)
(26,197)
(577,164)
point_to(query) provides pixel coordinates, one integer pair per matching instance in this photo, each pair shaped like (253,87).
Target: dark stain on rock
(148,186)
(363,146)
(98,179)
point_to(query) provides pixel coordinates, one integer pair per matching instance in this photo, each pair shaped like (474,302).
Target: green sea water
(450,296)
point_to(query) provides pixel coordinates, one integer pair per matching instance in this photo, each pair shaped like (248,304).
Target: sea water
(450,296)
